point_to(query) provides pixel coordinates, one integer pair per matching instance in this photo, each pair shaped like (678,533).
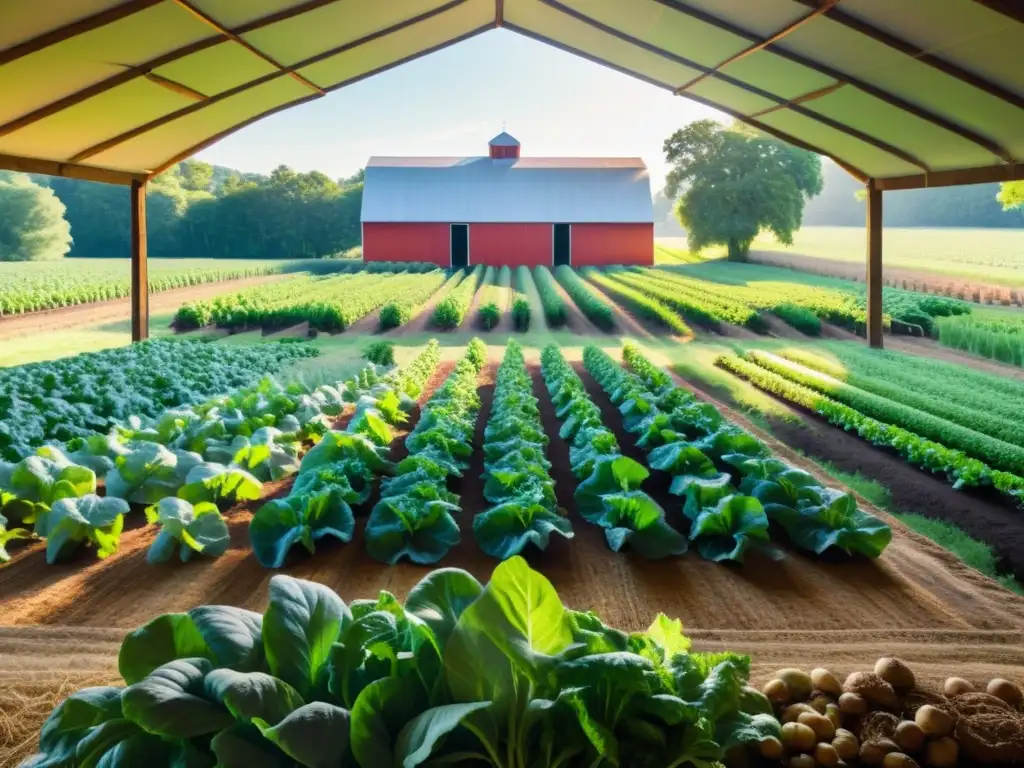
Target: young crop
(380,353)
(414,515)
(706,455)
(1003,341)
(402,309)
(609,494)
(192,529)
(593,306)
(500,676)
(961,470)
(550,298)
(89,520)
(9,534)
(451,310)
(494,296)
(697,305)
(640,303)
(800,318)
(516,479)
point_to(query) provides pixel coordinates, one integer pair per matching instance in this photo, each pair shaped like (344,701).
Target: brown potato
(942,753)
(846,744)
(909,736)
(956,685)
(821,725)
(899,760)
(826,754)
(873,688)
(791,713)
(933,721)
(777,691)
(833,713)
(826,682)
(1005,690)
(802,761)
(797,681)
(895,673)
(853,704)
(798,737)
(771,748)
(874,752)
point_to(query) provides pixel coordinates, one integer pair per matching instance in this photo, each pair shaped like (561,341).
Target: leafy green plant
(800,318)
(380,353)
(89,520)
(302,518)
(550,299)
(592,305)
(219,483)
(501,675)
(639,302)
(521,313)
(8,535)
(490,315)
(29,488)
(451,310)
(193,529)
(726,530)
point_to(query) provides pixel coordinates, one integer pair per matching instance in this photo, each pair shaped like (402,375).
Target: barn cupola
(504,147)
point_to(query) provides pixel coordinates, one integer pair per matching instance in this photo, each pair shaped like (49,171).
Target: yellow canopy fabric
(906,92)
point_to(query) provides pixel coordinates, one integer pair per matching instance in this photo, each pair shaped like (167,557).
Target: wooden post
(140,268)
(874,272)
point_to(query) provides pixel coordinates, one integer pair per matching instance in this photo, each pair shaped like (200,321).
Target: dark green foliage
(521,313)
(639,303)
(800,318)
(380,352)
(550,299)
(596,309)
(736,182)
(489,315)
(32,224)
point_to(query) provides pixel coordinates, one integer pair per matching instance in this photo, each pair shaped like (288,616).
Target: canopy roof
(910,93)
(465,190)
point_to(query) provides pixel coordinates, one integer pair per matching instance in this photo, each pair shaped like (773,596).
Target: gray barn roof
(533,189)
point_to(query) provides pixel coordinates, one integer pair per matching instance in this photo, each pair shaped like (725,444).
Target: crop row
(731,484)
(639,303)
(497,676)
(87,394)
(402,309)
(998,341)
(522,313)
(451,310)
(550,298)
(693,302)
(960,468)
(593,306)
(996,452)
(516,475)
(609,492)
(974,407)
(494,297)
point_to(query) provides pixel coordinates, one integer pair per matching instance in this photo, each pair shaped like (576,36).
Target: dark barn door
(460,246)
(563,245)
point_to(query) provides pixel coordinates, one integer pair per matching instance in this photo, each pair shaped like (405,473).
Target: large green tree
(32,223)
(732,182)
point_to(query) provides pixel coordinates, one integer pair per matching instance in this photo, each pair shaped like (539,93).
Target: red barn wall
(388,241)
(510,244)
(600,244)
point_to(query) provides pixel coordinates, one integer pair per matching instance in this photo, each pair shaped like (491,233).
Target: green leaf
(378,715)
(301,623)
(315,735)
(835,522)
(249,695)
(403,526)
(440,598)
(505,530)
(668,633)
(166,638)
(72,522)
(168,702)
(681,458)
(218,483)
(610,474)
(426,732)
(725,531)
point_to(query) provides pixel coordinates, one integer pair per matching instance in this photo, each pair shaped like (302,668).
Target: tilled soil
(101,313)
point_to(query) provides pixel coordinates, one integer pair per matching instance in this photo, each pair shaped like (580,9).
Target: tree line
(195,209)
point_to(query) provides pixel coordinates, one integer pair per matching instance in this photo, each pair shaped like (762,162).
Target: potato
(819,703)
(1005,690)
(798,737)
(826,754)
(933,721)
(821,725)
(853,704)
(956,685)
(791,713)
(797,681)
(909,736)
(777,691)
(899,760)
(826,682)
(874,752)
(873,688)
(802,761)
(895,673)
(771,748)
(846,744)
(941,753)
(833,713)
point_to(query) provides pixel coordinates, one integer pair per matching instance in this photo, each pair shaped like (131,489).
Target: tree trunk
(738,250)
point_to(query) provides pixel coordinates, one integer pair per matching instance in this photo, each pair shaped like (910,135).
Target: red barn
(504,209)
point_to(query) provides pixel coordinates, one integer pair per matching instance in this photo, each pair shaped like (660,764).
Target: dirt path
(85,315)
(368,323)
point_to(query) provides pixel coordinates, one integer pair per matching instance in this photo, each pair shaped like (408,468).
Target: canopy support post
(140,268)
(874,266)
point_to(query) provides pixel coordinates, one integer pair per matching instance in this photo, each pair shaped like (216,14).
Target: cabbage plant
(90,520)
(192,529)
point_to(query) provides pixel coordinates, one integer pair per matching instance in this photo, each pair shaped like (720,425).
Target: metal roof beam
(185,111)
(669,55)
(984,175)
(879,93)
(855,172)
(68,170)
(760,46)
(929,59)
(239,40)
(75,28)
(1011,8)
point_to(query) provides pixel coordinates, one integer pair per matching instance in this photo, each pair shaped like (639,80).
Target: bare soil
(101,313)
(61,623)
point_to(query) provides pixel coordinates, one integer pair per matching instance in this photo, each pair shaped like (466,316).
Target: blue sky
(453,101)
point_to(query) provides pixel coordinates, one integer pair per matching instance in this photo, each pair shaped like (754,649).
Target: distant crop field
(984,255)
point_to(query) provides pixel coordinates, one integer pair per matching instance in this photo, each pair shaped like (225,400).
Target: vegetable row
(451,310)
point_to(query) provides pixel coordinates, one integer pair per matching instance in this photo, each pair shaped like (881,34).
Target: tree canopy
(1011,195)
(732,182)
(32,224)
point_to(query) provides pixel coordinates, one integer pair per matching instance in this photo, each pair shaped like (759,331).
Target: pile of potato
(880,718)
